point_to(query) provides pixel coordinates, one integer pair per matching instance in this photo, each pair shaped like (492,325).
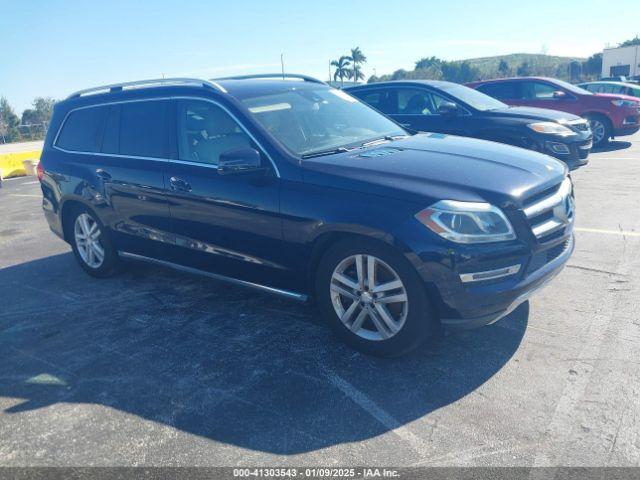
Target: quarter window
(205,131)
(81,131)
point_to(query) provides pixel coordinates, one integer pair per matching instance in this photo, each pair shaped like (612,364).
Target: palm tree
(342,68)
(358,58)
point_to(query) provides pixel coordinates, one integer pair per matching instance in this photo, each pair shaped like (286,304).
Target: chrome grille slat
(547,214)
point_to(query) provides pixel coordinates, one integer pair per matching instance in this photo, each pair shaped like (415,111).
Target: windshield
(307,120)
(572,88)
(473,98)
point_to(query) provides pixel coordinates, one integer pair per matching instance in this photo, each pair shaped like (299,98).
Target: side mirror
(448,108)
(239,160)
(559,95)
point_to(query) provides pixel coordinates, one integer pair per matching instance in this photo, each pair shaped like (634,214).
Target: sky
(54,47)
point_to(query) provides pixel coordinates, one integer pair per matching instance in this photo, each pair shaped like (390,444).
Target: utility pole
(282,64)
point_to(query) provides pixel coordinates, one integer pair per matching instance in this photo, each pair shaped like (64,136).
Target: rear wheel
(373,298)
(91,243)
(601,129)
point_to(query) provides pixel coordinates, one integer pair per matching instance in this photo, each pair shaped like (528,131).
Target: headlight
(467,222)
(550,127)
(625,103)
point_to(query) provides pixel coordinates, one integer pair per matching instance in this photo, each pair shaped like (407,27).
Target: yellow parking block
(11,163)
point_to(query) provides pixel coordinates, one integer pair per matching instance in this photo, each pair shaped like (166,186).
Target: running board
(235,281)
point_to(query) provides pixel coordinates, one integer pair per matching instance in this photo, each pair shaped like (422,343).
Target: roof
(430,83)
(609,82)
(236,86)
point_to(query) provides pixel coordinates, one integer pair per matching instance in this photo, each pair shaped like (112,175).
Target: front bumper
(572,150)
(519,293)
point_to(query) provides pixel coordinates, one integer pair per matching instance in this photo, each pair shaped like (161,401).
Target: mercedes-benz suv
(298,189)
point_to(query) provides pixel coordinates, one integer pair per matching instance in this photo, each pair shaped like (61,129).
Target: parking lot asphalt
(154,367)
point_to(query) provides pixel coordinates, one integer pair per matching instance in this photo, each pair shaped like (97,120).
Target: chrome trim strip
(235,281)
(490,274)
(98,154)
(547,227)
(156,82)
(117,102)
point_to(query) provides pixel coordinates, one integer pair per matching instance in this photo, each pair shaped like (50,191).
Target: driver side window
(538,91)
(205,131)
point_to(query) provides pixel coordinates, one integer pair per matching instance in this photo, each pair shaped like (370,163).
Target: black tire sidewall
(111,259)
(421,321)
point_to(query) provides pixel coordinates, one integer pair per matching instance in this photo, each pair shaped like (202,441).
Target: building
(621,61)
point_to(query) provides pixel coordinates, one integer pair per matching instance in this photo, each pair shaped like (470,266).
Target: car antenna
(282,64)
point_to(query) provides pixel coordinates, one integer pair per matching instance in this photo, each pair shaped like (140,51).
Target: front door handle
(179,185)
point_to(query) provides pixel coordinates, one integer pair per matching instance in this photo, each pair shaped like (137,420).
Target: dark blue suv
(295,188)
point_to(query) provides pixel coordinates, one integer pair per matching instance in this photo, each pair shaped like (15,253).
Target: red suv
(609,115)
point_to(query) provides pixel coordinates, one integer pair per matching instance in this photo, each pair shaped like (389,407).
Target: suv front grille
(540,259)
(550,211)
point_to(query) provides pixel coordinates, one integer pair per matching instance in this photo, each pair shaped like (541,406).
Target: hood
(430,167)
(615,96)
(535,114)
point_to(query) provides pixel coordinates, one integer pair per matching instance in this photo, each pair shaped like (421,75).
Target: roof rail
(159,82)
(282,76)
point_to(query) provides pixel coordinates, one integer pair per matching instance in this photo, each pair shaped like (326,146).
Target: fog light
(559,148)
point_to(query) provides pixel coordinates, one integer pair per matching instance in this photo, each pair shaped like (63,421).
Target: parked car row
(610,115)
(289,186)
(445,107)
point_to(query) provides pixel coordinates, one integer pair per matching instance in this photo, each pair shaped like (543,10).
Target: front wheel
(91,244)
(600,128)
(373,298)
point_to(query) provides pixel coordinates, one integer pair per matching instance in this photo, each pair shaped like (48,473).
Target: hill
(515,64)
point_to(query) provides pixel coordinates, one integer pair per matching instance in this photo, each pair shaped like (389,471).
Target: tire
(87,254)
(602,125)
(413,321)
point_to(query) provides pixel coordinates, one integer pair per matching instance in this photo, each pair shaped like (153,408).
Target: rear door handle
(179,184)
(103,174)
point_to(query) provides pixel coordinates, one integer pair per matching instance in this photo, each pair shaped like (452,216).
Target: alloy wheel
(598,129)
(87,237)
(369,297)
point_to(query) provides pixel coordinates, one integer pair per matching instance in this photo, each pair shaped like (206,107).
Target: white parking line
(23,195)
(623,233)
(373,409)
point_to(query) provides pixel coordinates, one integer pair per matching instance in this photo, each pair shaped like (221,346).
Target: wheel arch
(67,206)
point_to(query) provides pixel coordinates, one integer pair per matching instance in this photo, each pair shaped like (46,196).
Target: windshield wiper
(320,153)
(386,138)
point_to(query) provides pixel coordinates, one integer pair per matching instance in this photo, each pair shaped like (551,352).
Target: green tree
(629,43)
(503,69)
(592,66)
(575,70)
(524,70)
(9,122)
(341,68)
(428,62)
(357,58)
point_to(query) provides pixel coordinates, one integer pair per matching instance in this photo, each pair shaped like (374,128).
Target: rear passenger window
(143,131)
(81,130)
(111,136)
(500,90)
(375,99)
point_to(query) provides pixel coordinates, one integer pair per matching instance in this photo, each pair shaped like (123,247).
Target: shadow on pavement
(217,361)
(612,146)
